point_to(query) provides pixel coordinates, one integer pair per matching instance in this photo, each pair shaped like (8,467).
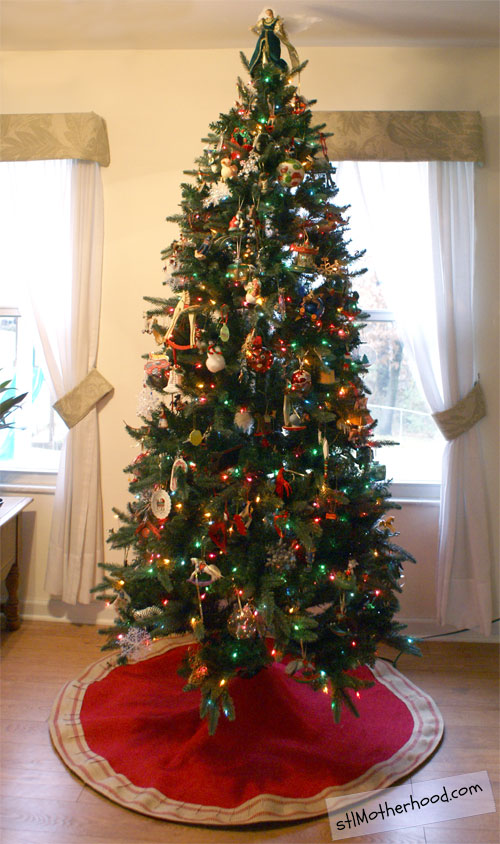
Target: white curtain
(419,217)
(58,234)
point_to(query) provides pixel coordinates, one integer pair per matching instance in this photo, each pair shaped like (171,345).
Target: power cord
(434,636)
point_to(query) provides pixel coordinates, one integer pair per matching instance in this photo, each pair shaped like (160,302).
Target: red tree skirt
(132,734)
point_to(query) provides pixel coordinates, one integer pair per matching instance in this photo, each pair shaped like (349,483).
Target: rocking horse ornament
(183,307)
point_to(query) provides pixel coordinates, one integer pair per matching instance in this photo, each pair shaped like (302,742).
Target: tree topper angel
(271,31)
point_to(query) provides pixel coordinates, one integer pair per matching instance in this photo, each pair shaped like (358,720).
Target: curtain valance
(34,137)
(403,135)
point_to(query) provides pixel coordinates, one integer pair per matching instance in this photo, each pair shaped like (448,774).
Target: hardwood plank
(454,716)
(19,709)
(480,829)
(34,732)
(45,785)
(37,757)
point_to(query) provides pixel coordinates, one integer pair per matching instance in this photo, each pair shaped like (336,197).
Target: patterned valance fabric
(403,135)
(35,137)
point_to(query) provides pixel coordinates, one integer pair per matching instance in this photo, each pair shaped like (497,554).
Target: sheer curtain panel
(420,219)
(57,232)
(465,564)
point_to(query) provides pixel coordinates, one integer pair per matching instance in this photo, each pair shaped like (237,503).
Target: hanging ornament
(146,528)
(121,601)
(313,306)
(264,183)
(253,220)
(283,488)
(258,358)
(203,249)
(253,289)
(364,418)
(217,532)
(242,139)
(195,437)
(243,519)
(215,361)
(264,426)
(298,104)
(281,556)
(250,166)
(292,420)
(198,672)
(136,466)
(228,170)
(147,612)
(301,382)
(160,503)
(162,419)
(218,193)
(174,381)
(224,333)
(239,273)
(179,465)
(323,442)
(242,623)
(304,255)
(326,374)
(148,402)
(172,336)
(244,420)
(132,643)
(237,223)
(157,369)
(204,574)
(290,173)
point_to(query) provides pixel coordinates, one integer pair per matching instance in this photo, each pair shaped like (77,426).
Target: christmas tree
(257,514)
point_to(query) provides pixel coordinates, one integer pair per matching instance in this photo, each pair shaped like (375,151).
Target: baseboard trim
(95,613)
(54,610)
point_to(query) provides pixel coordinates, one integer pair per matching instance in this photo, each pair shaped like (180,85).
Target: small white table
(10,553)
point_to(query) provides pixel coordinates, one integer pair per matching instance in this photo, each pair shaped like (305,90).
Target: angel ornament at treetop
(271,31)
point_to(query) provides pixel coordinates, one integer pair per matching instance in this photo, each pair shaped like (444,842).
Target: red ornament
(157,368)
(283,488)
(301,381)
(298,104)
(258,357)
(218,534)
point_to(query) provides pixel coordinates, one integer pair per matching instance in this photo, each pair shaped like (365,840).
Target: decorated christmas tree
(257,517)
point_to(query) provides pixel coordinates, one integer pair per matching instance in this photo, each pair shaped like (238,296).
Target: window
(35,440)
(396,399)
(34,218)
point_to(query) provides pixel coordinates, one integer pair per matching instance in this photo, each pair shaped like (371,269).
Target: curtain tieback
(463,415)
(75,405)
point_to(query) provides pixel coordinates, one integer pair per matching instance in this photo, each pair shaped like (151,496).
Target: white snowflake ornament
(133,642)
(218,192)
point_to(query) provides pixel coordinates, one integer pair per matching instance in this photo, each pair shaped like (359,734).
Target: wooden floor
(43,803)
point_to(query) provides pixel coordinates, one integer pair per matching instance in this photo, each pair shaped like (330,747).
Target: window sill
(415,492)
(24,481)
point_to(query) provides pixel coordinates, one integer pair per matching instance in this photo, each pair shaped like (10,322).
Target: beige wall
(157,105)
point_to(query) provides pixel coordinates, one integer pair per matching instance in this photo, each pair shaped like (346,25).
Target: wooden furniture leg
(11,606)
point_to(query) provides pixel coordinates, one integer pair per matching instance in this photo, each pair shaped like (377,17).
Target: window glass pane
(35,221)
(401,412)
(396,400)
(37,435)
